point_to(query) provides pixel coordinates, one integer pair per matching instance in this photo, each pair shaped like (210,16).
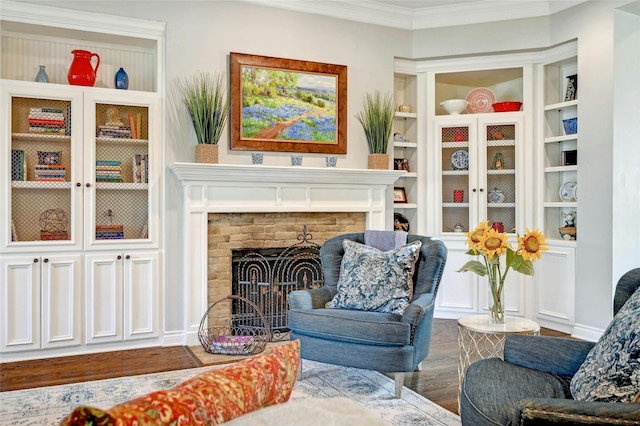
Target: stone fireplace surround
(222,188)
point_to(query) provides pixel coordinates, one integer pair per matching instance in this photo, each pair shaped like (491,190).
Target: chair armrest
(556,355)
(416,308)
(314,298)
(537,411)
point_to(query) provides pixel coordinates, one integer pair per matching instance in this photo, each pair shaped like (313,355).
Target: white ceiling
(419,14)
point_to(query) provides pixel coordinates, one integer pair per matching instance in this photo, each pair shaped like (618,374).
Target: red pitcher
(81,72)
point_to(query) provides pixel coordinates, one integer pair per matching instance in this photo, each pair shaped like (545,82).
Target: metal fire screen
(266,276)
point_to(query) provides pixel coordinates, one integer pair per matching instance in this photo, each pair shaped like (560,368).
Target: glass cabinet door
(120,170)
(478,173)
(456,183)
(499,141)
(42,176)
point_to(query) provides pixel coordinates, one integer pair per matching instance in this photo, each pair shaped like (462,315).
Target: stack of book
(49,120)
(114,131)
(108,171)
(109,232)
(54,235)
(140,168)
(18,165)
(51,172)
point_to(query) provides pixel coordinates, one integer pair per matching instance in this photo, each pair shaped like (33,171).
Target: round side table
(478,338)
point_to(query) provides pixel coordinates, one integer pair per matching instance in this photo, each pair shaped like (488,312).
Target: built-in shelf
(561,105)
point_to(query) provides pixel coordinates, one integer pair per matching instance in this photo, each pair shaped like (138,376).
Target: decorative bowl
(570,126)
(506,106)
(454,106)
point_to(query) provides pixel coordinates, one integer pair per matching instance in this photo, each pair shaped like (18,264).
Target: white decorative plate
(568,191)
(480,100)
(460,160)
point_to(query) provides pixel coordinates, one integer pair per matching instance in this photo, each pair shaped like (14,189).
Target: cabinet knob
(119,257)
(481,189)
(88,185)
(35,260)
(46,260)
(127,257)
(78,184)
(474,190)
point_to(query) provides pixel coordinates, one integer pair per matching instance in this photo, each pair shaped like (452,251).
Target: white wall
(626,141)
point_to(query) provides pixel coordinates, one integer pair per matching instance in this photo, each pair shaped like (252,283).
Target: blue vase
(122,79)
(42,76)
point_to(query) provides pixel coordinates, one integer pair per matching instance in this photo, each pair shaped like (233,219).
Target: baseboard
(176,338)
(585,332)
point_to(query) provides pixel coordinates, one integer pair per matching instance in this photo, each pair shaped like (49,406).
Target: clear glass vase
(496,310)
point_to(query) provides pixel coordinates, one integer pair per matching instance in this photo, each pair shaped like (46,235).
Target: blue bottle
(42,76)
(122,79)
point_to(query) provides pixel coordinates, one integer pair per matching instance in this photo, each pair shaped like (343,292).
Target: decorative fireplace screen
(266,276)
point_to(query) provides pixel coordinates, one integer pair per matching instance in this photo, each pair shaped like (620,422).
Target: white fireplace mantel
(224,188)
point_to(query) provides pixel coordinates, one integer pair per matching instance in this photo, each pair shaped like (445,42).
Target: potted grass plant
(377,119)
(204,96)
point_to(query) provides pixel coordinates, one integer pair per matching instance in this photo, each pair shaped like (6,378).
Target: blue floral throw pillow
(611,371)
(373,280)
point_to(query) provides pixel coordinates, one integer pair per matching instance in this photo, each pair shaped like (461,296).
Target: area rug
(372,390)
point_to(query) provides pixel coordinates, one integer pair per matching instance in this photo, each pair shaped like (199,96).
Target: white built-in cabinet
(557,195)
(522,193)
(480,176)
(406,147)
(41,301)
(122,298)
(81,244)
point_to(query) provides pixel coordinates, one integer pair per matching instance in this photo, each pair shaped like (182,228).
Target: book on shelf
(139,125)
(115,179)
(132,124)
(67,124)
(56,235)
(50,172)
(18,165)
(46,120)
(109,232)
(45,129)
(140,168)
(108,171)
(108,163)
(114,131)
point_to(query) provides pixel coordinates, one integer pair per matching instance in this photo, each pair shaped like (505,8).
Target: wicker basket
(378,161)
(207,153)
(239,336)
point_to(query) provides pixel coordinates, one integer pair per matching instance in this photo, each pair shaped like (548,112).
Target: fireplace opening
(266,276)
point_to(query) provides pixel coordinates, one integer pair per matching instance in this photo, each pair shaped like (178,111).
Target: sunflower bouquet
(491,245)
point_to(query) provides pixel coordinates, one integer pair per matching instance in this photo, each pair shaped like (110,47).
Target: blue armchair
(532,385)
(364,339)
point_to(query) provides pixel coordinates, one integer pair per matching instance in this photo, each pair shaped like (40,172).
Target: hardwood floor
(438,380)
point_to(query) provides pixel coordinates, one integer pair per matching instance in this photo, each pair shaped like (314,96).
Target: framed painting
(287,105)
(399,195)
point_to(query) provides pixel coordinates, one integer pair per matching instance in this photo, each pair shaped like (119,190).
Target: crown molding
(387,15)
(48,16)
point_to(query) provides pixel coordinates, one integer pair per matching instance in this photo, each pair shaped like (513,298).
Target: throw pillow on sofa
(374,280)
(611,370)
(211,398)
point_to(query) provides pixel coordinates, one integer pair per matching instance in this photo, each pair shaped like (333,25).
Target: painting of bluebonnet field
(287,105)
